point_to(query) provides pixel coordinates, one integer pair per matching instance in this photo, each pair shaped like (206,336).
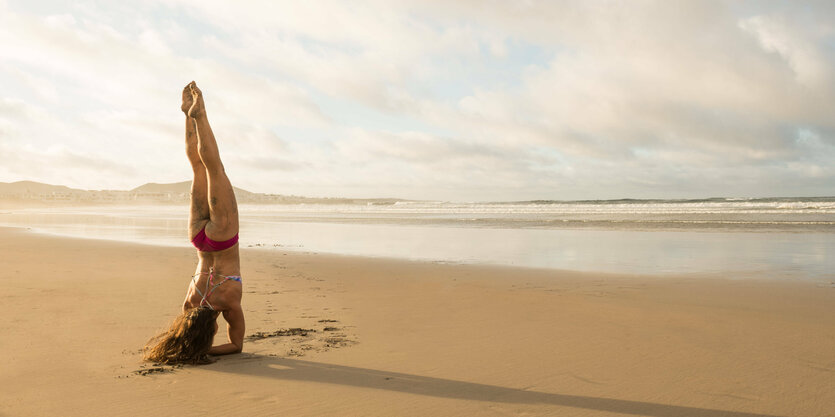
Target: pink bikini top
(204,244)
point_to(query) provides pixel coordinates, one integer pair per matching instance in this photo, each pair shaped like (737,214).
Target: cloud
(799,52)
(449,100)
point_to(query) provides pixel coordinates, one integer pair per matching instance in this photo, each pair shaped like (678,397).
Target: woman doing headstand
(215,288)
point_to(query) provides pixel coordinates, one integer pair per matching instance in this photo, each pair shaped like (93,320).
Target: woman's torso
(212,269)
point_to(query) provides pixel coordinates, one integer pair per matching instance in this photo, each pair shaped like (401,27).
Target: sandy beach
(382,337)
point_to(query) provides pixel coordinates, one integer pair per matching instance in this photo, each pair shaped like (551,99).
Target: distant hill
(32,187)
(177,188)
(153,187)
(177,192)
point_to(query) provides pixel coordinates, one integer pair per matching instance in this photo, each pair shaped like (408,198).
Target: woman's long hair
(187,340)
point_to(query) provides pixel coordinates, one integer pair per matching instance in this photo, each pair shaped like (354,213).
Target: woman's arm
(236,327)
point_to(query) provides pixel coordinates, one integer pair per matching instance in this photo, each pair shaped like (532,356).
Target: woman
(215,287)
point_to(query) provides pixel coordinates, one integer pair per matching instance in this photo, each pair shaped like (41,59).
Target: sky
(433,100)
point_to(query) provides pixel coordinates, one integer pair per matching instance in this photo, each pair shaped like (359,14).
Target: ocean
(774,238)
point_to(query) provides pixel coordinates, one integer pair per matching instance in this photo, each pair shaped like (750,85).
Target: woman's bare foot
(188,100)
(198,109)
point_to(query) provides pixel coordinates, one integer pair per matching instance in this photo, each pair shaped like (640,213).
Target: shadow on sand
(298,370)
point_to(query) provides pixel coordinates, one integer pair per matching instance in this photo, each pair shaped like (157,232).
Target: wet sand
(330,335)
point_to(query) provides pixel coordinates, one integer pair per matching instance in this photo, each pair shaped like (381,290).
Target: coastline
(410,338)
(783,253)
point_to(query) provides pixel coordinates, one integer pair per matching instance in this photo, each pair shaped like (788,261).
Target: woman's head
(187,340)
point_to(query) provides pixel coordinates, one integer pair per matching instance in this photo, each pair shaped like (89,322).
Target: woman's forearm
(224,349)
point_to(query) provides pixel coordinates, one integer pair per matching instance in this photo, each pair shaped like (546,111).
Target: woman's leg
(199,213)
(222,207)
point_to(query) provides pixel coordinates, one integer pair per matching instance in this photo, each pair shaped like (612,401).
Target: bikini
(211,286)
(204,244)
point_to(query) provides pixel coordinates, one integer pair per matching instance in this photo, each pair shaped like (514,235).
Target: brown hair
(187,340)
